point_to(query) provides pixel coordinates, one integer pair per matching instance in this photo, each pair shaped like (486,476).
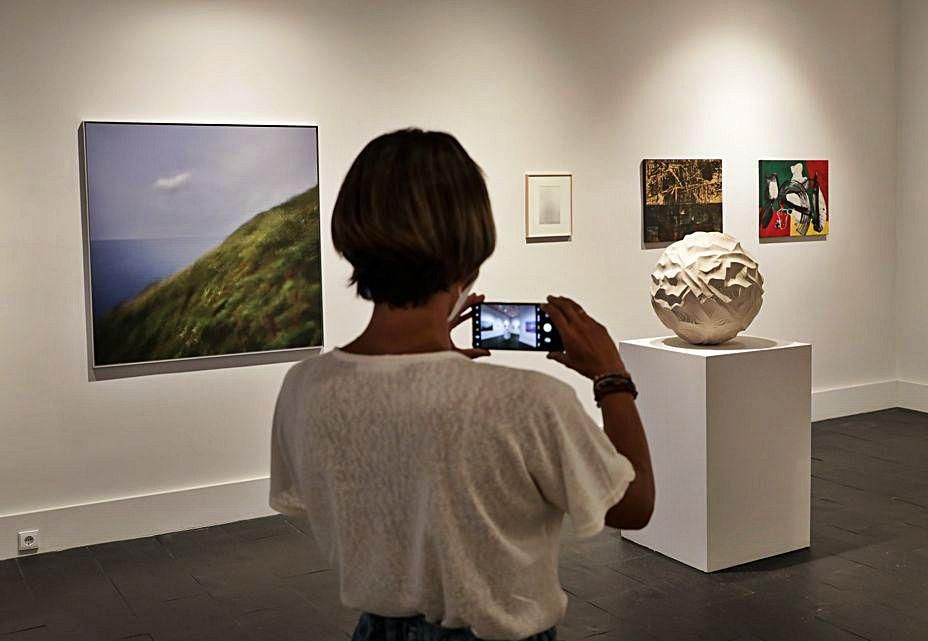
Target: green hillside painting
(259,290)
(203,240)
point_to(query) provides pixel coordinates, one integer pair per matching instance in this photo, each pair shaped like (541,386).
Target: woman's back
(438,484)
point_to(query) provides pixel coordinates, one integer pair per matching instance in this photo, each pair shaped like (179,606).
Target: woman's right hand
(588,348)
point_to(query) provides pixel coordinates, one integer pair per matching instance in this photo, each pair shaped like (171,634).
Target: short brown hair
(412,217)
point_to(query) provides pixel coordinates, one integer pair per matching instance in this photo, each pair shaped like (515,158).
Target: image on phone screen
(514,326)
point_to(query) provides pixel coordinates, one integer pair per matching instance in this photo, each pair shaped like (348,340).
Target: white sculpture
(706,288)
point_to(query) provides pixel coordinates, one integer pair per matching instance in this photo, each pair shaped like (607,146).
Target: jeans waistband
(372,627)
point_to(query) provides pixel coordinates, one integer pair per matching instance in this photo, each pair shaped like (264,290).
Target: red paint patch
(771,231)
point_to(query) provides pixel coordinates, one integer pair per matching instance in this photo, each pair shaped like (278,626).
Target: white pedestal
(730,433)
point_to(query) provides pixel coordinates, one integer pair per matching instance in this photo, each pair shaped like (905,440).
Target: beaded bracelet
(617,382)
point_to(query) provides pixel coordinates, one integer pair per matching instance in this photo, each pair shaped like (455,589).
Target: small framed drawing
(548,206)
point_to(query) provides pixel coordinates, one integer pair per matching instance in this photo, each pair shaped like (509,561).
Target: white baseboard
(171,511)
(854,399)
(137,516)
(912,395)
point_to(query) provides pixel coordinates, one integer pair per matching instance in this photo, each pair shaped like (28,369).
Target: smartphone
(515,326)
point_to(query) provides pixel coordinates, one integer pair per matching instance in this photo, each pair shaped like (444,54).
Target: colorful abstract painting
(680,197)
(202,240)
(793,198)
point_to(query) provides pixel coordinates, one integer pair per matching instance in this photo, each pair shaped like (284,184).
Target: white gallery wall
(588,87)
(911,213)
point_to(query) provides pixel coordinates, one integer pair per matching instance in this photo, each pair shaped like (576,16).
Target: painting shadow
(85,243)
(179,365)
(547,239)
(771,240)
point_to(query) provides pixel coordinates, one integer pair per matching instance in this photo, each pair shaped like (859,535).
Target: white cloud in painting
(172,183)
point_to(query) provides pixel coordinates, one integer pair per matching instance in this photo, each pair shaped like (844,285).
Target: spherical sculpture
(706,288)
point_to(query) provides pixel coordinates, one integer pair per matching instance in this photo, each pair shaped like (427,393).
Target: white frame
(534,229)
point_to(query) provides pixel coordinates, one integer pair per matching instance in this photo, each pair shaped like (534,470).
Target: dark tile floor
(866,576)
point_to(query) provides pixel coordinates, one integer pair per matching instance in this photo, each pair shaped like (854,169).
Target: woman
(438,485)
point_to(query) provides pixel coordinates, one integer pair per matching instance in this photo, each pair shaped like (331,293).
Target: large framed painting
(793,198)
(680,197)
(201,240)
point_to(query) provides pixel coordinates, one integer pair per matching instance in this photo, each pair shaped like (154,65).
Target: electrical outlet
(28,540)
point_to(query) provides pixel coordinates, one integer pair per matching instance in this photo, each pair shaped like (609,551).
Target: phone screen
(514,326)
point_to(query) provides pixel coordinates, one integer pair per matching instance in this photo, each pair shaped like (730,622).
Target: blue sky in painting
(190,181)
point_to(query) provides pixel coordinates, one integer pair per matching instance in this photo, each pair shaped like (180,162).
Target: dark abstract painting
(680,197)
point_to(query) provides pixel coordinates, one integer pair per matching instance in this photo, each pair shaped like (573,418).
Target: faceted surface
(706,288)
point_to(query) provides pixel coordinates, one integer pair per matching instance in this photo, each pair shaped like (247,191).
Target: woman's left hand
(466,314)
